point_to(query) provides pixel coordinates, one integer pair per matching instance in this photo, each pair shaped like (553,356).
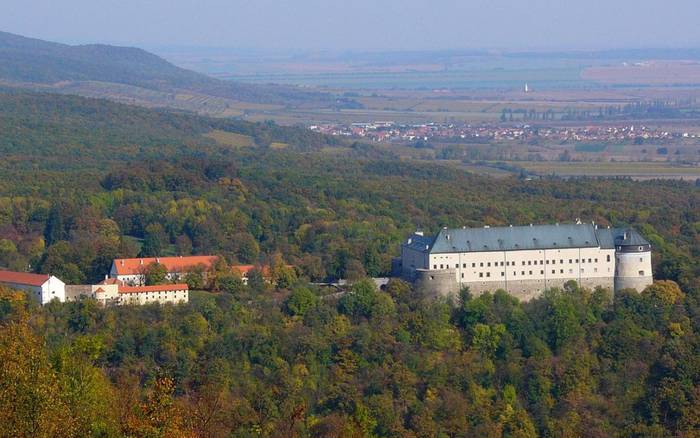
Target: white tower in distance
(527,88)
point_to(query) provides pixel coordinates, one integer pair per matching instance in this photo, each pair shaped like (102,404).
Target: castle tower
(632,261)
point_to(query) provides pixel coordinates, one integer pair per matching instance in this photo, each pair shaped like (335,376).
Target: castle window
(595,269)
(530,272)
(434,266)
(488,274)
(641,273)
(529,262)
(522,273)
(441,266)
(488,264)
(589,261)
(514,273)
(464,265)
(523,262)
(481,264)
(571,271)
(641,248)
(547,262)
(596,260)
(561,262)
(473,265)
(576,260)
(542,272)
(462,274)
(503,274)
(554,262)
(456,265)
(641,259)
(481,274)
(608,257)
(501,263)
(570,261)
(554,271)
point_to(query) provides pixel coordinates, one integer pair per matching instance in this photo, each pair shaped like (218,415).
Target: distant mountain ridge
(33,61)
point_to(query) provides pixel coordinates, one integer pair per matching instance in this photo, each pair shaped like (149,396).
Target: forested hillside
(85,181)
(28,60)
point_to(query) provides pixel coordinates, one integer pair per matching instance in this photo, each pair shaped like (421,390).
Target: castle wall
(441,267)
(442,283)
(633,270)
(435,283)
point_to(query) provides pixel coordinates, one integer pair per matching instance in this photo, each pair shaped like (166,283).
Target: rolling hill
(134,76)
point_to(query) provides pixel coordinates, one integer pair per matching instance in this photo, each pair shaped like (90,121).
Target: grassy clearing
(230,139)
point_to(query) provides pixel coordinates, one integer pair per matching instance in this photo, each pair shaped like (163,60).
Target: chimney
(410,240)
(141,261)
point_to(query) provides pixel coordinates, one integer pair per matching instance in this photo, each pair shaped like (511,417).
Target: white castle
(526,260)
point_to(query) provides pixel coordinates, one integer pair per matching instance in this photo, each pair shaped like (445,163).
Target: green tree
(155,241)
(155,273)
(300,301)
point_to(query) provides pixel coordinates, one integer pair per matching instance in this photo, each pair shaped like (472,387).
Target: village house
(132,271)
(160,293)
(113,292)
(245,270)
(42,287)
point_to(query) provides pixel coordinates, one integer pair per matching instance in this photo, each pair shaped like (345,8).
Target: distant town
(389,131)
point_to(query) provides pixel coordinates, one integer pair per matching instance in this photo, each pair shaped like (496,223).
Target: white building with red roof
(132,271)
(42,287)
(113,292)
(160,293)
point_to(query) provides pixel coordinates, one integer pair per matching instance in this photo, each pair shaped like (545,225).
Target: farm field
(635,170)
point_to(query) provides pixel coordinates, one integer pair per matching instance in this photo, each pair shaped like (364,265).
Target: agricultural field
(634,170)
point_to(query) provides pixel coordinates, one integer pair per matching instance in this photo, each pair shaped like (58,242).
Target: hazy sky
(360,24)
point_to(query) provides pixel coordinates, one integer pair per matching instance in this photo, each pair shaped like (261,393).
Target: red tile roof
(23,278)
(155,288)
(245,269)
(172,264)
(108,281)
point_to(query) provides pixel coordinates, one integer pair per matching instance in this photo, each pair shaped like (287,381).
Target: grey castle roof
(525,238)
(612,237)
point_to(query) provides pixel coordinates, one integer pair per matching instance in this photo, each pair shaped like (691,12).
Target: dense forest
(85,181)
(372,363)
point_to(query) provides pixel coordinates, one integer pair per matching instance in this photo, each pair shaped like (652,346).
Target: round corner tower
(632,261)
